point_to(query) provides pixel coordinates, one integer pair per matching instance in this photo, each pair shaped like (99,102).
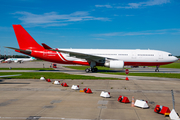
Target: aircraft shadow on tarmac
(142,71)
(49,70)
(122,71)
(3,82)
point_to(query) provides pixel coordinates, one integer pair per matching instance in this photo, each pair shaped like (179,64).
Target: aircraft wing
(24,51)
(9,75)
(88,57)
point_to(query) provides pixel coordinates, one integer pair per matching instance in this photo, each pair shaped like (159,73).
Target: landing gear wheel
(157,69)
(95,69)
(87,70)
(91,70)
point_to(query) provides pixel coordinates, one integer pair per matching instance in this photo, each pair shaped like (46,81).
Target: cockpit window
(169,54)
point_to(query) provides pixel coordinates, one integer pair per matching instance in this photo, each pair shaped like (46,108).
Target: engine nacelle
(118,64)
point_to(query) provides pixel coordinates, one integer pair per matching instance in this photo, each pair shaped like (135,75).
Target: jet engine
(114,64)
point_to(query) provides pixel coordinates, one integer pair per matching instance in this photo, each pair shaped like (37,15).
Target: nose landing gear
(157,69)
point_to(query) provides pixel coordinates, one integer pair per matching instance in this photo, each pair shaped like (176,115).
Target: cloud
(129,15)
(127,34)
(107,6)
(148,3)
(116,15)
(148,32)
(55,19)
(136,5)
(99,38)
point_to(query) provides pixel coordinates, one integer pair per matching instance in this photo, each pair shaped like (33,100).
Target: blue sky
(96,24)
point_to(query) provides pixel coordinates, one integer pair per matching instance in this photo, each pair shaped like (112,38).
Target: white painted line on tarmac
(14,118)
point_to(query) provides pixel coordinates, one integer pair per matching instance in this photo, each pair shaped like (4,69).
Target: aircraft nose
(175,58)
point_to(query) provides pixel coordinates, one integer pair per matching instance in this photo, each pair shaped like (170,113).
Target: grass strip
(37,75)
(165,75)
(40,69)
(172,65)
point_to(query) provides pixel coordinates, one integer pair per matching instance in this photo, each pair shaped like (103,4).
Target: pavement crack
(137,114)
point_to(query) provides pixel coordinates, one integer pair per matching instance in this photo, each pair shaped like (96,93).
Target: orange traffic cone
(127,78)
(132,104)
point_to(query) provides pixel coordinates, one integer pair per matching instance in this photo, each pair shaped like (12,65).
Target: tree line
(13,56)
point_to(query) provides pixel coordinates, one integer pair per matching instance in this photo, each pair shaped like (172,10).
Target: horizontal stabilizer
(46,46)
(24,51)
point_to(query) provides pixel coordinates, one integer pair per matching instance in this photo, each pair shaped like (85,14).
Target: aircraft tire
(87,70)
(95,69)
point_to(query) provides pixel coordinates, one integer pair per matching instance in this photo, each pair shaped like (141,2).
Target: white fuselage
(128,56)
(19,59)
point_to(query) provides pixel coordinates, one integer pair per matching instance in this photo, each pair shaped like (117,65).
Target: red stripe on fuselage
(53,56)
(62,56)
(145,63)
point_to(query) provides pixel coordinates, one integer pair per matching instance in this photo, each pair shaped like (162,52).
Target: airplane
(20,60)
(112,58)
(1,60)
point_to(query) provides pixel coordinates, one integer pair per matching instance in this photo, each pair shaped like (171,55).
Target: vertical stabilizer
(24,39)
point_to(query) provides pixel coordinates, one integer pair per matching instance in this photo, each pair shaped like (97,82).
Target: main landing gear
(91,69)
(157,69)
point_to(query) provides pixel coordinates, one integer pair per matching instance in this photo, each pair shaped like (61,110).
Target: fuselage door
(45,53)
(133,55)
(160,55)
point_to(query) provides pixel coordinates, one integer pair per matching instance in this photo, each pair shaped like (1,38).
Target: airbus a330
(112,58)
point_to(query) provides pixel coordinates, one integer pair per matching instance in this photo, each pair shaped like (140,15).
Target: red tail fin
(24,39)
